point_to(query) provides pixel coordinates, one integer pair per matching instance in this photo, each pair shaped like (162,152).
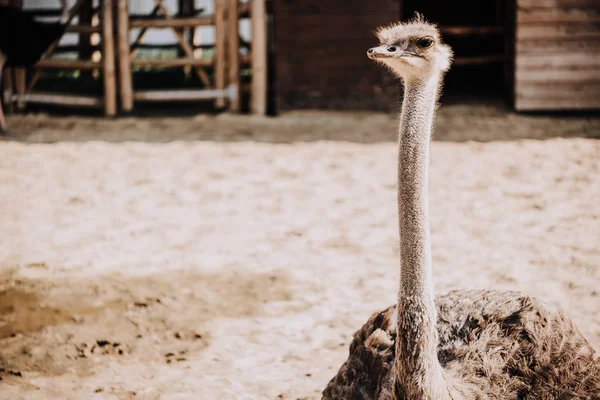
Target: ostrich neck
(413,163)
(419,374)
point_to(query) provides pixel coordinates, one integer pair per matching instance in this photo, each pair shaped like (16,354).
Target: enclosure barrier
(225,62)
(20,91)
(115,22)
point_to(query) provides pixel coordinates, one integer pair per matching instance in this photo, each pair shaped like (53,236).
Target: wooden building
(320,54)
(557,57)
(275,55)
(534,54)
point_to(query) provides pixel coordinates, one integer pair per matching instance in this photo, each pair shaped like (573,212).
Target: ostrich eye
(425,43)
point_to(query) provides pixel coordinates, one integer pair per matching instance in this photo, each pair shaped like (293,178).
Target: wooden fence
(113,23)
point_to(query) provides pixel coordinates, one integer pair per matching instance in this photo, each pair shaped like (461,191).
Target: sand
(238,265)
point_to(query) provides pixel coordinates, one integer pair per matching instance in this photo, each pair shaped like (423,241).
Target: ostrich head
(412,50)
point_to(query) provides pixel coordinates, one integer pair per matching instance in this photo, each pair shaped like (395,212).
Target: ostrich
(464,344)
(23,40)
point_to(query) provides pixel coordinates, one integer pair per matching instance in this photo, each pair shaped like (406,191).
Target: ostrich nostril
(391,49)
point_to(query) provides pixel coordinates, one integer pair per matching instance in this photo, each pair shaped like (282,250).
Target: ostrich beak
(383,51)
(388,51)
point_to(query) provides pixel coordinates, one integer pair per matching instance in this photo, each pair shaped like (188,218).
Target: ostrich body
(24,40)
(464,344)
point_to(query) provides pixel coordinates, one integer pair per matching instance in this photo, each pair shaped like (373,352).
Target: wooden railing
(21,91)
(220,75)
(223,86)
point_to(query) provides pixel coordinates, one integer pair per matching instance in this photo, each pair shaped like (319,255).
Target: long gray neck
(418,372)
(413,163)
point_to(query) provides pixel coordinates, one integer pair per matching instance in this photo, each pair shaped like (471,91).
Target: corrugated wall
(320,54)
(557,55)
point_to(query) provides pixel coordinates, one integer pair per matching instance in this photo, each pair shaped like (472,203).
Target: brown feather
(504,343)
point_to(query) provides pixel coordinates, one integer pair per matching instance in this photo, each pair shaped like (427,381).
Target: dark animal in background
(23,40)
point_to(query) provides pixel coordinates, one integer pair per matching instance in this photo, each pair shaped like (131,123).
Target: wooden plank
(580,30)
(58,63)
(560,88)
(179,95)
(562,60)
(552,76)
(537,16)
(125,80)
(219,51)
(544,104)
(568,96)
(550,46)
(61,99)
(108,59)
(172,22)
(259,57)
(557,59)
(233,38)
(173,62)
(537,4)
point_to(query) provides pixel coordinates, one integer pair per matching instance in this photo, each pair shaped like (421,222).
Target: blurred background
(198,198)
(521,55)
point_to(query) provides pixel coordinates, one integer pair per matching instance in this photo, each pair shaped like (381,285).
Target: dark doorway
(480,35)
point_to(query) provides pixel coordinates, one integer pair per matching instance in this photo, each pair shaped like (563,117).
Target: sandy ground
(238,266)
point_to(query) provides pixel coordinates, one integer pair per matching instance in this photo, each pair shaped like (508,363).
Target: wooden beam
(61,99)
(233,37)
(537,16)
(108,59)
(176,62)
(259,57)
(172,23)
(527,4)
(181,95)
(565,30)
(59,63)
(125,81)
(219,51)
(184,45)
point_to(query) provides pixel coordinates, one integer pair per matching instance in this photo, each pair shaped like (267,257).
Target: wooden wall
(320,54)
(557,55)
(11,3)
